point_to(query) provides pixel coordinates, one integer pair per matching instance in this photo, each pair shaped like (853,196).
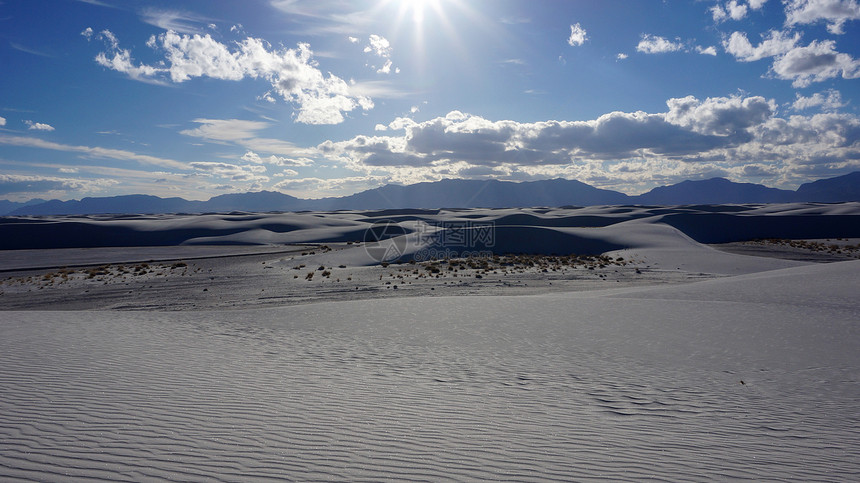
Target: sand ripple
(331,392)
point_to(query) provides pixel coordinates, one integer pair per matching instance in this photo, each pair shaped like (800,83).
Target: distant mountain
(111,204)
(257,201)
(458,193)
(714,191)
(7,206)
(464,193)
(840,188)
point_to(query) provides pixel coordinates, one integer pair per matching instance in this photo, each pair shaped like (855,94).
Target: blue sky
(315,98)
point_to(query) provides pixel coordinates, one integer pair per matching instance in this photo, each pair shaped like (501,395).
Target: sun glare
(418,7)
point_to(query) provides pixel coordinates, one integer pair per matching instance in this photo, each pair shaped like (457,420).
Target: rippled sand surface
(620,384)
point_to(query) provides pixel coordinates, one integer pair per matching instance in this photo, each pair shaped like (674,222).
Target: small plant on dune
(309,276)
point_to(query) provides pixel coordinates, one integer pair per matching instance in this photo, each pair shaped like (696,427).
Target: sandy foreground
(663,353)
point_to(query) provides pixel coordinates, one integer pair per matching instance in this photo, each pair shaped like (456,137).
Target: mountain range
(457,193)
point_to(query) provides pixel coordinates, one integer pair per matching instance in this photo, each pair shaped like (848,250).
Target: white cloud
(578,36)
(736,10)
(243,133)
(774,44)
(95,152)
(711,50)
(292,73)
(225,129)
(834,12)
(318,187)
(87,33)
(232,171)
(68,170)
(352,39)
(651,44)
(183,22)
(2,121)
(721,116)
(380,46)
(12,183)
(38,126)
(254,158)
(120,60)
(694,137)
(816,62)
(830,102)
(690,126)
(621,56)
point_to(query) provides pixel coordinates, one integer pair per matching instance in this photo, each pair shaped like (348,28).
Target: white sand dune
(753,375)
(737,378)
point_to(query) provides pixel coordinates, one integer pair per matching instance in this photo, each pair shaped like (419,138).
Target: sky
(327,98)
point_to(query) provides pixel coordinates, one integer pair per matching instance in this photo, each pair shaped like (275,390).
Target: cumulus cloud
(829,102)
(711,50)
(734,9)
(803,65)
(816,62)
(87,33)
(775,43)
(233,172)
(652,44)
(2,121)
(38,126)
(252,157)
(578,36)
(722,116)
(834,12)
(693,137)
(292,73)
(381,47)
(621,56)
(690,126)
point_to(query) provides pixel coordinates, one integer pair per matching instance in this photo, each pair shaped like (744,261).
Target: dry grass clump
(815,246)
(514,263)
(102,273)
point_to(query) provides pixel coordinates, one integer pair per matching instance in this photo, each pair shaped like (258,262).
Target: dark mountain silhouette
(258,201)
(840,188)
(464,193)
(459,193)
(7,206)
(111,204)
(714,191)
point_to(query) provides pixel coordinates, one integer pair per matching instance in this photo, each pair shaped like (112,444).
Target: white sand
(606,373)
(625,386)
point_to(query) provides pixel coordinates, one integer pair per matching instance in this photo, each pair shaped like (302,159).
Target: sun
(418,7)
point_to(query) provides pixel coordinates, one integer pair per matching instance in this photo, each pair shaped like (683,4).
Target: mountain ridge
(456,193)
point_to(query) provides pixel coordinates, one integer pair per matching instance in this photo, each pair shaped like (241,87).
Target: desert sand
(623,343)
